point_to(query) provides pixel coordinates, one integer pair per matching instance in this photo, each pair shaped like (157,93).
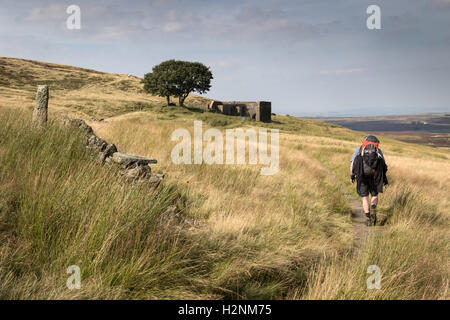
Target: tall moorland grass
(412,248)
(260,234)
(248,236)
(60,208)
(245,236)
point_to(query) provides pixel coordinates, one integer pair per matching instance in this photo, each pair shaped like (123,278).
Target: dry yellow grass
(283,236)
(272,221)
(75,91)
(412,250)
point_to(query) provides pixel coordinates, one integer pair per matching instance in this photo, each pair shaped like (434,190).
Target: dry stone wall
(133,167)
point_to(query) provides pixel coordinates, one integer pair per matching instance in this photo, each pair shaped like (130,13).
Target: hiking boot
(373,214)
(368,220)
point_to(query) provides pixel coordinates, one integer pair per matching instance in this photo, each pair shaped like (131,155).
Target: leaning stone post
(41,108)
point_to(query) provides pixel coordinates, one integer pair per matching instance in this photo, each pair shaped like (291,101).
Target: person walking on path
(368,168)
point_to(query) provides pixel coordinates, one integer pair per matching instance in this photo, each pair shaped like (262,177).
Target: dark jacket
(379,176)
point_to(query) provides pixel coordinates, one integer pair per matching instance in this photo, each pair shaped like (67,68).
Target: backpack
(369,153)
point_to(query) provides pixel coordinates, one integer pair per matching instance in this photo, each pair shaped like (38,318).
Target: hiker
(369,168)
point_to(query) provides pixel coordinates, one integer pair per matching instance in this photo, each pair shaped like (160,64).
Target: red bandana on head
(366,142)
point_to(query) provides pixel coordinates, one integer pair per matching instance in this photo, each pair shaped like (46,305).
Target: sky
(308,57)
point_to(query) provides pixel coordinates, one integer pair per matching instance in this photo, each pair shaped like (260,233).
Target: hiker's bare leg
(374,200)
(365,203)
(373,213)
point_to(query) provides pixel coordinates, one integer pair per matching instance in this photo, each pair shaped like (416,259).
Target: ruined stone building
(255,110)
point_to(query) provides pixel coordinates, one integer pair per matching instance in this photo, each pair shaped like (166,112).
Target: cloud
(111,32)
(172,26)
(338,72)
(441,2)
(50,12)
(441,5)
(274,46)
(162,20)
(258,14)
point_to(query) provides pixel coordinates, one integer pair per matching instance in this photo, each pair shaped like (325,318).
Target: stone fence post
(40,113)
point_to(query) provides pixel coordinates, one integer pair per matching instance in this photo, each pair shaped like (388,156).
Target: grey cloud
(161,21)
(271,48)
(50,12)
(441,2)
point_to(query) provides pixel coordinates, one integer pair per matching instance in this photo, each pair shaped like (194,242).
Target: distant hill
(74,90)
(430,129)
(437,123)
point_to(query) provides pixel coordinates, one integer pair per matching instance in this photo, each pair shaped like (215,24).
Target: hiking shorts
(367,186)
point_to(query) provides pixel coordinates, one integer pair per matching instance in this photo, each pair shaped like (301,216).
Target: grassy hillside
(75,91)
(243,235)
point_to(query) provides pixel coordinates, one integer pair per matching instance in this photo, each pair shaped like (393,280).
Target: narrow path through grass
(356,211)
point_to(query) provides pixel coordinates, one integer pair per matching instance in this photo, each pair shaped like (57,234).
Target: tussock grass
(415,203)
(61,208)
(243,236)
(412,259)
(411,249)
(258,235)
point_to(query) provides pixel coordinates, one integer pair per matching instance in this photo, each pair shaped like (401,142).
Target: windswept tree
(160,81)
(179,79)
(192,77)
